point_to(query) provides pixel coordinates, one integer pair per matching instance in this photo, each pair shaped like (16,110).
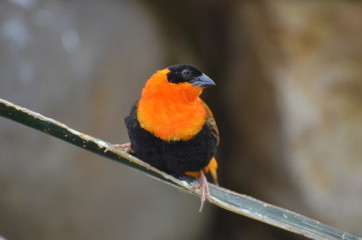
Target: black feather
(175,157)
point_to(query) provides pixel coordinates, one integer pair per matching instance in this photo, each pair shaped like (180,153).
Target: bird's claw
(203,188)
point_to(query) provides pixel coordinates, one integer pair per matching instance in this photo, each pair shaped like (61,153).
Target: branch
(224,198)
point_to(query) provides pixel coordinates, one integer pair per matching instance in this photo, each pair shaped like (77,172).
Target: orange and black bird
(172,129)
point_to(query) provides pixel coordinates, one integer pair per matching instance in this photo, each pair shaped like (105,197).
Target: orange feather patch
(171,111)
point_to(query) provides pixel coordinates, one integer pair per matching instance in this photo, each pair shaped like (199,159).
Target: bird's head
(188,74)
(183,81)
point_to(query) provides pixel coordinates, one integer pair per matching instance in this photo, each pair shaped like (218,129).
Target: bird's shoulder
(211,123)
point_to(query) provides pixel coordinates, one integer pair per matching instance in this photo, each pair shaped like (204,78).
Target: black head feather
(183,73)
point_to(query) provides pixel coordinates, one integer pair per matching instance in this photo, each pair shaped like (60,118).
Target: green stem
(229,200)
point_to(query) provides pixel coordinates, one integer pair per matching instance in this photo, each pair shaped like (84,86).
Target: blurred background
(288,103)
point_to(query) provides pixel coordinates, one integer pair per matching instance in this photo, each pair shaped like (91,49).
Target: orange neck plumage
(171,112)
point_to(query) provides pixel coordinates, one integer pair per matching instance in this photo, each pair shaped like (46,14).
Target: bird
(171,127)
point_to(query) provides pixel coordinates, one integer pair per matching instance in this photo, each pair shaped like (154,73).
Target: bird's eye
(186,74)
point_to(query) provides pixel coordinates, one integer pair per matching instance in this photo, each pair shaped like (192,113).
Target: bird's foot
(203,188)
(126,147)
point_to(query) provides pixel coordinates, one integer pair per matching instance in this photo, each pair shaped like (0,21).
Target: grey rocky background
(288,104)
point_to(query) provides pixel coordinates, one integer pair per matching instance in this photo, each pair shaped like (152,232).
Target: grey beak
(203,81)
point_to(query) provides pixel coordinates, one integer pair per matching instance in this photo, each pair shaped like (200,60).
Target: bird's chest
(171,121)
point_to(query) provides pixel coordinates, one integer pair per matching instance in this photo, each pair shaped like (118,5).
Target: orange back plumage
(170,111)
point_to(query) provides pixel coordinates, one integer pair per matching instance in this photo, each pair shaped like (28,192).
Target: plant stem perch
(224,198)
